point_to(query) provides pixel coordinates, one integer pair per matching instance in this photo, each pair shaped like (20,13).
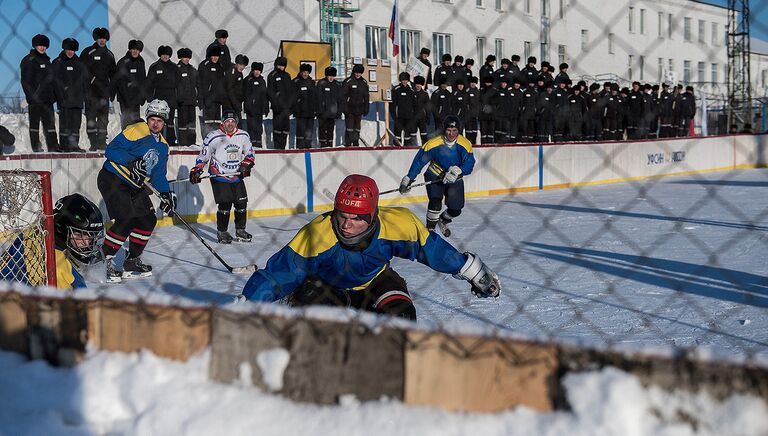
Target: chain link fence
(618,257)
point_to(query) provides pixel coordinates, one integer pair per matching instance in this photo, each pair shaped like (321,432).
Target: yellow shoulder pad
(400,224)
(464,142)
(314,238)
(64,276)
(136,131)
(434,142)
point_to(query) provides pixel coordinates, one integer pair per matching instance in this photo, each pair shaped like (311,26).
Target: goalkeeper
(77,228)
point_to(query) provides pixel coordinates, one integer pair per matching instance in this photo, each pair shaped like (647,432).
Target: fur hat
(505,61)
(474,79)
(419,80)
(689,88)
(184,53)
(305,67)
(563,66)
(257,66)
(281,61)
(100,32)
(425,51)
(446,57)
(70,44)
(330,72)
(164,50)
(41,39)
(532,60)
(358,69)
(490,58)
(515,58)
(135,44)
(458,58)
(221,33)
(212,50)
(469,61)
(242,59)
(404,76)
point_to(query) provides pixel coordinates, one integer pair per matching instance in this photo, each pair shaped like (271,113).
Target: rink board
(289,182)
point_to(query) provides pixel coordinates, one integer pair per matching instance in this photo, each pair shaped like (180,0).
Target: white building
(633,40)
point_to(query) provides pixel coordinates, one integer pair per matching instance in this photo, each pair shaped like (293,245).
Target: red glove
(194,175)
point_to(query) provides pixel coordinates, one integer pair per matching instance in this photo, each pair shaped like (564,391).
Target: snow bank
(142,394)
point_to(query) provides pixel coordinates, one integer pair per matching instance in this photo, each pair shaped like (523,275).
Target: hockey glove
(168,202)
(405,185)
(245,168)
(451,175)
(138,169)
(194,175)
(485,283)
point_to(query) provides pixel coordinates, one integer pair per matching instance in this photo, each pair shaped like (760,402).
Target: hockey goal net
(26,228)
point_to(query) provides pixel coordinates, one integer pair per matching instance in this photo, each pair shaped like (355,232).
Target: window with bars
(376,42)
(479,3)
(441,44)
(410,44)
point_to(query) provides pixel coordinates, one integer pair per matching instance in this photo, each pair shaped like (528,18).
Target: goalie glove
(451,175)
(195,175)
(405,185)
(485,283)
(168,202)
(245,168)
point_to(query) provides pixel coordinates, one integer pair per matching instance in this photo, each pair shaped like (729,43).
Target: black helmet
(451,121)
(77,218)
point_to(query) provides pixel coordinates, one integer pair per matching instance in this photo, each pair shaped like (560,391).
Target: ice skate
(224,237)
(242,236)
(134,268)
(113,275)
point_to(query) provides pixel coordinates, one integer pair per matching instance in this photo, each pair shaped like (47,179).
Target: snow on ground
(140,394)
(673,262)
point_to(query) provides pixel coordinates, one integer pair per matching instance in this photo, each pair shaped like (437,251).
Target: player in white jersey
(229,156)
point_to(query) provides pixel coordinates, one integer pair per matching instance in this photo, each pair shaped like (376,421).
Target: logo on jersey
(151,158)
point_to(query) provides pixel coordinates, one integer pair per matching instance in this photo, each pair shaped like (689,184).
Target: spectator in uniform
(282,94)
(256,103)
(71,90)
(356,105)
(128,83)
(220,45)
(161,85)
(186,98)
(423,108)
(329,103)
(403,109)
(100,62)
(37,81)
(211,91)
(304,106)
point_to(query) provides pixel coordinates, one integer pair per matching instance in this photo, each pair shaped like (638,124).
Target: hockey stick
(237,270)
(327,192)
(207,176)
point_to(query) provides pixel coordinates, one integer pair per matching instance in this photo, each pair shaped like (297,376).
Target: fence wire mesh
(649,262)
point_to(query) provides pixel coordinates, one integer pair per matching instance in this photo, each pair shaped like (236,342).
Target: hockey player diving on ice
(341,258)
(228,154)
(450,158)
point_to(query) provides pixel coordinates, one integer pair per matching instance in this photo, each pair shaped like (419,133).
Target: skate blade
(136,275)
(242,240)
(117,279)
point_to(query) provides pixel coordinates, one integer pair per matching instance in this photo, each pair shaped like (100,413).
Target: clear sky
(20,20)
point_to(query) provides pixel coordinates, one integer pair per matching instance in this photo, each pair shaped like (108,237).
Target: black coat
(545,105)
(128,82)
(485,71)
(255,94)
(186,85)
(577,107)
(328,99)
(488,101)
(161,82)
(635,105)
(37,78)
(502,73)
(528,106)
(443,72)
(282,92)
(473,111)
(442,102)
(70,82)
(423,105)
(100,62)
(595,106)
(356,98)
(687,105)
(667,100)
(211,90)
(429,71)
(234,86)
(461,105)
(305,103)
(224,58)
(403,104)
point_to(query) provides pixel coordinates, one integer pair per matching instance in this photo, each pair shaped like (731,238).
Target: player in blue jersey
(342,257)
(450,158)
(139,154)
(77,228)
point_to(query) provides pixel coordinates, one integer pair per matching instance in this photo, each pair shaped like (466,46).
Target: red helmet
(357,194)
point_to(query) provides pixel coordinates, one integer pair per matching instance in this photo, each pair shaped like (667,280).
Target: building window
(441,44)
(670,26)
(630,61)
(700,73)
(410,41)
(714,73)
(341,47)
(479,3)
(671,64)
(610,43)
(641,67)
(527,49)
(527,6)
(631,18)
(686,71)
(661,24)
(544,54)
(660,73)
(562,9)
(498,5)
(544,8)
(765,78)
(687,29)
(584,39)
(642,21)
(498,46)
(561,54)
(715,41)
(480,44)
(375,42)
(702,31)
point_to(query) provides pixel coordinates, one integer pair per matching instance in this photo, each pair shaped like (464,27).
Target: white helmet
(158,108)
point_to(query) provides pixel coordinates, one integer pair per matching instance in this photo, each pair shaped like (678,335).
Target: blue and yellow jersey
(315,251)
(137,142)
(440,157)
(67,276)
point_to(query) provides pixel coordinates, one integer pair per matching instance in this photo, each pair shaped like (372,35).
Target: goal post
(27,251)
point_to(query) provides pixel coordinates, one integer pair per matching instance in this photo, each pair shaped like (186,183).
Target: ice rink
(678,261)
